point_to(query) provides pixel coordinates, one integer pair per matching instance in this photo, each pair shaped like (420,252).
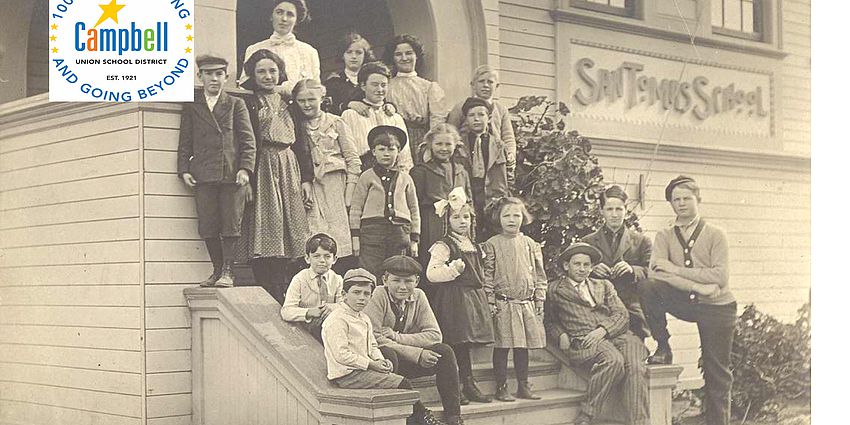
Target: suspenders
(688,248)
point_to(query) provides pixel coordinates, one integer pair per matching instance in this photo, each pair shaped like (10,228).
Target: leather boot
(663,355)
(502,393)
(470,390)
(524,391)
(462,400)
(212,279)
(226,279)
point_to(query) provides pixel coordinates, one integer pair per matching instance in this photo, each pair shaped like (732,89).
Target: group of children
(485,279)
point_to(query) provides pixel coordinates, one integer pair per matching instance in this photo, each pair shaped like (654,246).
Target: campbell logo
(121,50)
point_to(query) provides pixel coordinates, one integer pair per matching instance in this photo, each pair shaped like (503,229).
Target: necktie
(478,168)
(323,289)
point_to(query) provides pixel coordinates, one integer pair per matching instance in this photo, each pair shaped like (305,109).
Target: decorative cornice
(665,56)
(625,26)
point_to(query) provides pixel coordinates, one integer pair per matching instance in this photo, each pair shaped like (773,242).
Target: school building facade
(98,238)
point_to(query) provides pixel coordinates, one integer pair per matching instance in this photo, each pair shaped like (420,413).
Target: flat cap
(472,102)
(668,191)
(210,62)
(401,265)
(359,275)
(387,129)
(581,248)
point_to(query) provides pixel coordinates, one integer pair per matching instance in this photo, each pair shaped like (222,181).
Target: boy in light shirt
(317,290)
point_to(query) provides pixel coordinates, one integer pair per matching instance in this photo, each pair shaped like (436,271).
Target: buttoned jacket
(634,248)
(215,144)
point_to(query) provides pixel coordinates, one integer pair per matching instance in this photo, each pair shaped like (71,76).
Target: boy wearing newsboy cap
(591,324)
(215,156)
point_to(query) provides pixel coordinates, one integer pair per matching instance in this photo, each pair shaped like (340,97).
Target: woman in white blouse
(302,60)
(419,101)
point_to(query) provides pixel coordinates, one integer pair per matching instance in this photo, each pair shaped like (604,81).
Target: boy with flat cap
(409,336)
(384,216)
(689,278)
(625,256)
(591,324)
(215,156)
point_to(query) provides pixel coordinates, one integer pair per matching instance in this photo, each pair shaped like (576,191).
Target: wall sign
(698,96)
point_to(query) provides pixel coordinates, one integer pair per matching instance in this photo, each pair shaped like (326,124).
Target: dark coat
(634,248)
(213,146)
(567,312)
(496,171)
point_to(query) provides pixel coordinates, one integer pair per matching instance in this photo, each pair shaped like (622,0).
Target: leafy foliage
(557,176)
(771,363)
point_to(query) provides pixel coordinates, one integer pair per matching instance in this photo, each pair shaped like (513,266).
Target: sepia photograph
(421,212)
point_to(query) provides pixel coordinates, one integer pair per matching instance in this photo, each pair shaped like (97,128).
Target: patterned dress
(514,277)
(280,222)
(415,97)
(336,165)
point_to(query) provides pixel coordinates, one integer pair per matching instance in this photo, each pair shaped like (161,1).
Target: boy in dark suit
(215,156)
(625,256)
(590,323)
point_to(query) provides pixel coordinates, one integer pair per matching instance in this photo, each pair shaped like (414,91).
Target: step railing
(249,367)
(661,379)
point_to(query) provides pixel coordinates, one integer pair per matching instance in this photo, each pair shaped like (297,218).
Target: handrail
(295,359)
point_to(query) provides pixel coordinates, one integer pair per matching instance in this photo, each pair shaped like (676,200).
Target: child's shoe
(226,279)
(471,392)
(502,393)
(524,391)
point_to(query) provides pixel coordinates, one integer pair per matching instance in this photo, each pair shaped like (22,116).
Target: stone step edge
(551,397)
(484,373)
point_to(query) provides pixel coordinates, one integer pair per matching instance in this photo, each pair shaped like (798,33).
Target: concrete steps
(557,407)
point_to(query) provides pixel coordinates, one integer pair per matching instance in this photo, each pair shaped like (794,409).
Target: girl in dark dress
(459,301)
(343,86)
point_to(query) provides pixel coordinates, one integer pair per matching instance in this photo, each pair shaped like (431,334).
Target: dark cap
(668,191)
(581,248)
(472,102)
(359,275)
(387,129)
(401,265)
(210,62)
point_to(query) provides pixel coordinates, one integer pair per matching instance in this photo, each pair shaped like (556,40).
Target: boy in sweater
(689,279)
(384,216)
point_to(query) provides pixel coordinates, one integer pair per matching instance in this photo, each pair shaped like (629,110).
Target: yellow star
(52,38)
(54,27)
(188,26)
(189,38)
(188,50)
(54,50)
(110,11)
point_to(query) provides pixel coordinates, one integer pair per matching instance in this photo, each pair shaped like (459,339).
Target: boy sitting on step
(354,360)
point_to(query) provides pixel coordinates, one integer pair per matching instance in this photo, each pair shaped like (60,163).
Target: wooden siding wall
(70,317)
(764,207)
(796,75)
(175,258)
(264,400)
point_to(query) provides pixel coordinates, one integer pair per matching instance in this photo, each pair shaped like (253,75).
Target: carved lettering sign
(698,96)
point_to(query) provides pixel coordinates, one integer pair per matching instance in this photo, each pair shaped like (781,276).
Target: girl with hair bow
(458,297)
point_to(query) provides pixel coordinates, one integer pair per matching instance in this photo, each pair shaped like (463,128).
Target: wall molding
(629,27)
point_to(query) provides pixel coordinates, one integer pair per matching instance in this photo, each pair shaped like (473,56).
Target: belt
(501,297)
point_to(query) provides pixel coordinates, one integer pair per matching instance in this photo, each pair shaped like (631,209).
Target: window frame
(759,24)
(631,10)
